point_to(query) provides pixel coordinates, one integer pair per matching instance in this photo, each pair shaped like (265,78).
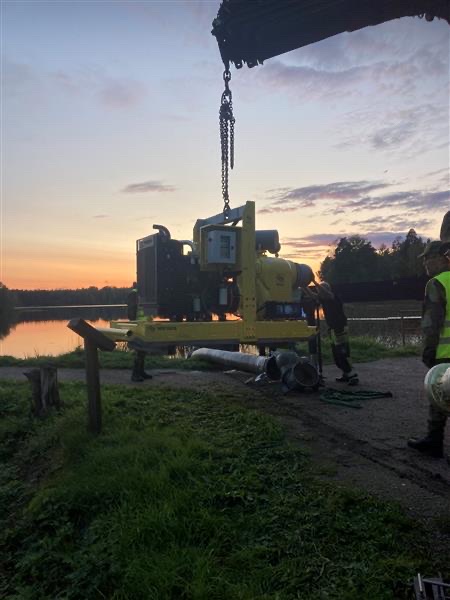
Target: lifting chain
(226,122)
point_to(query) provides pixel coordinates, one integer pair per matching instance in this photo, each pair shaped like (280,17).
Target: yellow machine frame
(247,330)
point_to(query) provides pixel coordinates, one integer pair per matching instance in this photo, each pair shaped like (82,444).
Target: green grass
(119,359)
(184,495)
(363,349)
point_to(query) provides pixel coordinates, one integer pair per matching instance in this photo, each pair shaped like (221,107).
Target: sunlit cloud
(319,245)
(148,186)
(310,83)
(382,77)
(314,240)
(385,238)
(289,200)
(101,216)
(354,196)
(399,223)
(373,44)
(413,199)
(406,131)
(444,172)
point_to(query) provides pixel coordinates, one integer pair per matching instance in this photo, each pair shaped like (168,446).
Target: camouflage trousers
(340,347)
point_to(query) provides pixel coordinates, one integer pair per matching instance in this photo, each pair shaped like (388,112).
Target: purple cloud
(148,186)
(414,199)
(289,200)
(410,131)
(317,245)
(397,222)
(355,196)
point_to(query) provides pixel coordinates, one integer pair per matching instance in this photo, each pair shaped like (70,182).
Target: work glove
(429,357)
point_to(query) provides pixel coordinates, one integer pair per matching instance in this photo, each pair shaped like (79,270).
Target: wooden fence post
(93,387)
(93,340)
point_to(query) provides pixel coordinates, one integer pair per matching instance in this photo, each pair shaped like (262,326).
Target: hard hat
(445,228)
(437,386)
(432,249)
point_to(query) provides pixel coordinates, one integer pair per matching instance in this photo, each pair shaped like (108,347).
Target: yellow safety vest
(443,349)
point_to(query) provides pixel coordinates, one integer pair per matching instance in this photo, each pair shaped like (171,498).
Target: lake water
(44,331)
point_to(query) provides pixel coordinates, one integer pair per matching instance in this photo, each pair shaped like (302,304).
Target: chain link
(226,123)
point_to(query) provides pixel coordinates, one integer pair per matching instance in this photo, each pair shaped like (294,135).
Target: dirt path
(364,447)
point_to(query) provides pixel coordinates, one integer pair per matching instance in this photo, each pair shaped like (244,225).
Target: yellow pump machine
(220,289)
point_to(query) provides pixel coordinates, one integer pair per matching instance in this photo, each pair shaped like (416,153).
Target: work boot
(138,374)
(433,443)
(353,379)
(430,444)
(350,378)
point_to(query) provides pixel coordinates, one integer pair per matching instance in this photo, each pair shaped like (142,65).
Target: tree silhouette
(354,260)
(6,310)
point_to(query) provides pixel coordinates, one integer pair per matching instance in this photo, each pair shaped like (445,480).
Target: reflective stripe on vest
(443,349)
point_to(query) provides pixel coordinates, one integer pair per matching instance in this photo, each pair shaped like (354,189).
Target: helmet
(437,386)
(432,249)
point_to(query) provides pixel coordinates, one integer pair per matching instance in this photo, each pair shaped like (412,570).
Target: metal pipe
(116,334)
(296,373)
(241,361)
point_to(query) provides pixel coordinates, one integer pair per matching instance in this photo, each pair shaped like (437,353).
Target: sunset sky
(110,124)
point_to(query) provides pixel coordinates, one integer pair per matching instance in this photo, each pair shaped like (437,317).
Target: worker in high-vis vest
(436,338)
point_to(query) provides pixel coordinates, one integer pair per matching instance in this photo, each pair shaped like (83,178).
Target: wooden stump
(44,390)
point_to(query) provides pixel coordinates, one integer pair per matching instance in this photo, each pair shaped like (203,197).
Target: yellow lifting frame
(247,330)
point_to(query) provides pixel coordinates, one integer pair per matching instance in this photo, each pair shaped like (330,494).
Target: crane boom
(253,31)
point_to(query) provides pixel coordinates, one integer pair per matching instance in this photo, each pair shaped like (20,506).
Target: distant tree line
(64,297)
(355,260)
(7,302)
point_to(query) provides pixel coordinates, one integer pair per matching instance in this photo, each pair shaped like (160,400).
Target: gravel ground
(364,448)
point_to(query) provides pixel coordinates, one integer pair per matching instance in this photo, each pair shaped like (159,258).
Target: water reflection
(65,314)
(45,332)
(5,325)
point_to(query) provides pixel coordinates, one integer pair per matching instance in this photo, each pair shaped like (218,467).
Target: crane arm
(251,31)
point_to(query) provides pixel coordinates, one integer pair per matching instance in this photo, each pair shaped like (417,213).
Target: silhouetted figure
(138,374)
(132,303)
(436,338)
(336,320)
(445,228)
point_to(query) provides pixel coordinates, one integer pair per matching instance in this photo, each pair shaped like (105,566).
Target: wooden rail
(93,341)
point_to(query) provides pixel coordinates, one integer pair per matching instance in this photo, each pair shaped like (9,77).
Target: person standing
(336,320)
(138,373)
(436,338)
(132,303)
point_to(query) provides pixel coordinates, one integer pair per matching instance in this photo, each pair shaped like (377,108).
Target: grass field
(363,349)
(185,495)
